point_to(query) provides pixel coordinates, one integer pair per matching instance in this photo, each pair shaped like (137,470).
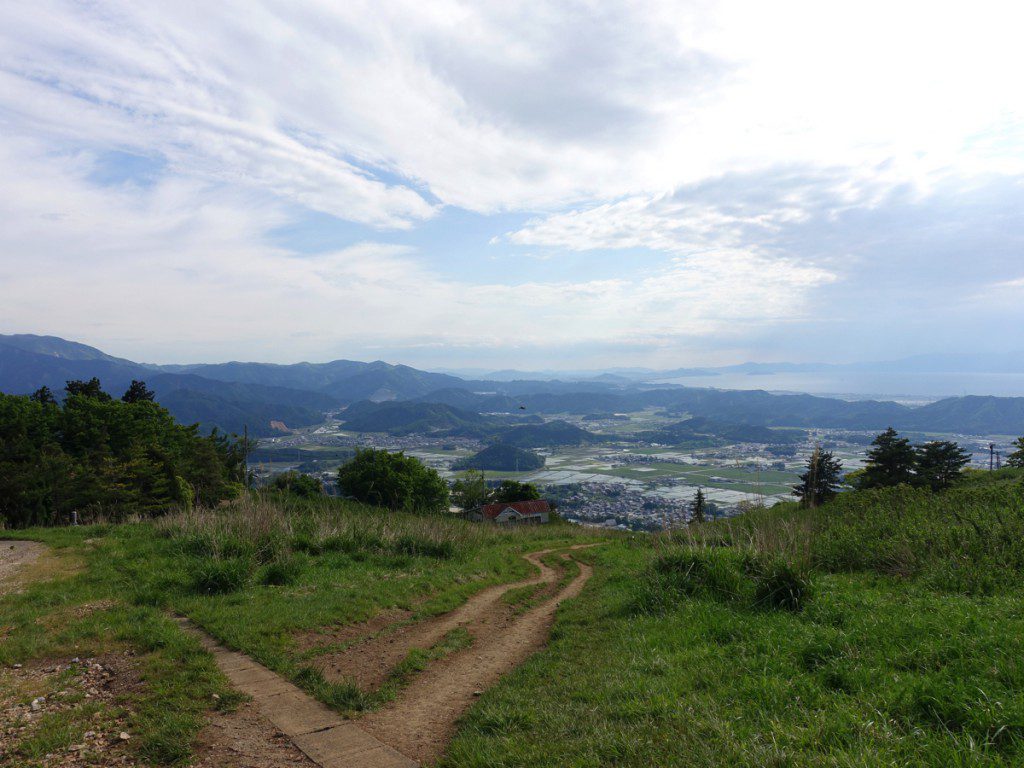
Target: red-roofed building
(513,513)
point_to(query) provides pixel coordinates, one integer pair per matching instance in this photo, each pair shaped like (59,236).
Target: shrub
(424,547)
(220,577)
(780,584)
(284,571)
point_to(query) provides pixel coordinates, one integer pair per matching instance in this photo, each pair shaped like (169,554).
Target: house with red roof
(513,513)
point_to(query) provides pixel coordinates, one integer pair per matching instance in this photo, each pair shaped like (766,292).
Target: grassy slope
(897,658)
(138,574)
(876,670)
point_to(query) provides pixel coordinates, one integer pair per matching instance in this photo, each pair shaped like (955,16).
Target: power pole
(991,456)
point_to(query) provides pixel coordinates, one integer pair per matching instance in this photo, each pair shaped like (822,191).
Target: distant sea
(910,388)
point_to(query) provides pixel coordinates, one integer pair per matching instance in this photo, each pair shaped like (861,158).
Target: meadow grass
(255,574)
(785,637)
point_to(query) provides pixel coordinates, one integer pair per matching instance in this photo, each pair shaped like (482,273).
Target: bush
(424,547)
(283,572)
(780,584)
(747,579)
(220,577)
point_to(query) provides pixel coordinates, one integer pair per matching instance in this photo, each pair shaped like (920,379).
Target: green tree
(393,480)
(512,490)
(699,508)
(1016,459)
(471,491)
(891,461)
(90,389)
(137,392)
(940,464)
(298,484)
(43,395)
(96,455)
(820,482)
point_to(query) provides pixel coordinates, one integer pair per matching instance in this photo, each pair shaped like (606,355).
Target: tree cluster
(99,456)
(1016,459)
(393,480)
(472,491)
(892,460)
(298,484)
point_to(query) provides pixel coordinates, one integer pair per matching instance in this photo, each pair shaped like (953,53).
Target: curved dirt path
(418,725)
(369,661)
(421,721)
(15,558)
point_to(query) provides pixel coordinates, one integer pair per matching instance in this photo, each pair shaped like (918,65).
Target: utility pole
(991,456)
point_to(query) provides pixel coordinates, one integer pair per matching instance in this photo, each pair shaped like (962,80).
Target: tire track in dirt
(370,662)
(421,721)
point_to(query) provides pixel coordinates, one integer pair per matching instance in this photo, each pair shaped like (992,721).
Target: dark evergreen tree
(90,389)
(100,456)
(940,464)
(137,392)
(891,461)
(43,395)
(1016,459)
(699,509)
(821,481)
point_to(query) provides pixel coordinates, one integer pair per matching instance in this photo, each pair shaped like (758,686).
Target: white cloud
(669,126)
(185,269)
(500,106)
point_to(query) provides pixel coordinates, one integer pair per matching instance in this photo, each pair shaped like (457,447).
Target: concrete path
(323,736)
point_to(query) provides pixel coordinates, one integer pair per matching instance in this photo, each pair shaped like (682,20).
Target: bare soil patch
(246,739)
(15,557)
(69,712)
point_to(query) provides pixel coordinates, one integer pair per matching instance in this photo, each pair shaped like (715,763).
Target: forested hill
(232,395)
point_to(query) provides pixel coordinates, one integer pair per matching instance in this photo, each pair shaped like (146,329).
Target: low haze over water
(894,386)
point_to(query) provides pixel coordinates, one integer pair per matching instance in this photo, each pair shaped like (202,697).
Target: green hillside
(883,628)
(502,458)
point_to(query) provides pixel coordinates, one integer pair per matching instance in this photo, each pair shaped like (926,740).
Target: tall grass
(229,543)
(968,539)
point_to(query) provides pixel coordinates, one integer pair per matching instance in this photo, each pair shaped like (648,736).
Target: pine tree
(939,464)
(90,389)
(138,392)
(43,395)
(1016,459)
(820,483)
(890,462)
(700,505)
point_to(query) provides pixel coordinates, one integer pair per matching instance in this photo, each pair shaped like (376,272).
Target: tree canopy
(1016,459)
(512,490)
(891,461)
(104,457)
(298,484)
(820,482)
(939,464)
(393,480)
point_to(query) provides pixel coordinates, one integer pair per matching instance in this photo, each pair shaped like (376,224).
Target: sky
(513,185)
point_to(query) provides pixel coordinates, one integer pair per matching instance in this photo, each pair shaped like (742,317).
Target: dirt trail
(15,558)
(371,661)
(418,725)
(421,722)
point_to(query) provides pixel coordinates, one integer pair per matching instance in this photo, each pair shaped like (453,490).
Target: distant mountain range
(235,394)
